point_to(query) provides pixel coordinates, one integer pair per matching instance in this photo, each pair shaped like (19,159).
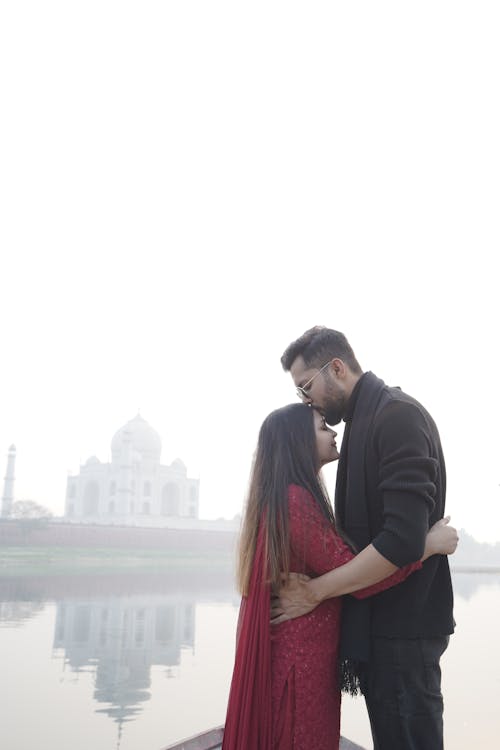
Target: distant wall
(44,533)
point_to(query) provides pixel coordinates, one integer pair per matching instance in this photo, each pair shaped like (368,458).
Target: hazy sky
(188,186)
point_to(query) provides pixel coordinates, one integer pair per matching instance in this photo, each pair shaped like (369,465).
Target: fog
(188,186)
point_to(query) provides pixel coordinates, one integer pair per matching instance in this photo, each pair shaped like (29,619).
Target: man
(390,489)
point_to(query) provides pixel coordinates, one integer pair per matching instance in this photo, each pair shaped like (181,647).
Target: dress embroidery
(305,691)
(297,705)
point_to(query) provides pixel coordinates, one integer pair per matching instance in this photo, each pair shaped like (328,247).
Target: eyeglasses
(303,390)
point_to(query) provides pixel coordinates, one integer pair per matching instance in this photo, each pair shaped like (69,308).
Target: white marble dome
(179,466)
(144,440)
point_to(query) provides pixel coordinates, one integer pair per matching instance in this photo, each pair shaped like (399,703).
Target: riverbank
(18,561)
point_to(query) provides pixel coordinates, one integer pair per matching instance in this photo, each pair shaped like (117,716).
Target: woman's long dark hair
(286,454)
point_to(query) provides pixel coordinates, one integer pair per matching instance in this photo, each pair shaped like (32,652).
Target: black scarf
(352,517)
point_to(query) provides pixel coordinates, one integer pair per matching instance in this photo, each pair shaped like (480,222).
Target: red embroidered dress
(287,697)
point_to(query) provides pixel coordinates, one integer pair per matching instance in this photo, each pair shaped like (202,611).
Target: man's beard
(333,414)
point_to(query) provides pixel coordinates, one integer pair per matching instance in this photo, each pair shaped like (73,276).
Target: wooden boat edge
(212,740)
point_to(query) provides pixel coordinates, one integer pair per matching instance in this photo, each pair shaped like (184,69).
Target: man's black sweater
(405,486)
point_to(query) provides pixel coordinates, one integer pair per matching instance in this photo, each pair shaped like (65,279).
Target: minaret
(8,486)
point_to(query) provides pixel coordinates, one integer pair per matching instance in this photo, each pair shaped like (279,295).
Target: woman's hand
(441,539)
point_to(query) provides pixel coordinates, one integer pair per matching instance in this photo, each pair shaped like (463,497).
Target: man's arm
(300,595)
(407,477)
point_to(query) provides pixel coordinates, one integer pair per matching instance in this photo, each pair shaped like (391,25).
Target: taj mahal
(134,489)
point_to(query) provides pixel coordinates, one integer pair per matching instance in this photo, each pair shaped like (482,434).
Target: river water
(135,662)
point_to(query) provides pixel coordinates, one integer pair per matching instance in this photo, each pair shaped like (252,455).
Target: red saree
(285,690)
(248,721)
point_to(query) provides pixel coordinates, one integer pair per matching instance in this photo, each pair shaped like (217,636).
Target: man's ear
(338,367)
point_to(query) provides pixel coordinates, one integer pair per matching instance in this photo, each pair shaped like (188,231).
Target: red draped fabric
(284,692)
(248,721)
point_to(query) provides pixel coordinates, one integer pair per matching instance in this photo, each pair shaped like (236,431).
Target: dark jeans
(402,690)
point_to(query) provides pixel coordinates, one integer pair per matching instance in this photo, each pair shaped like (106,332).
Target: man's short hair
(319,345)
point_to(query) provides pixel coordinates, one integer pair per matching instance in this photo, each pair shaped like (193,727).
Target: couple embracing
(301,640)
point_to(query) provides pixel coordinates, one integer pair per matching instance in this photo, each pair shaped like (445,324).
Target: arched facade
(134,488)
(170,499)
(91,498)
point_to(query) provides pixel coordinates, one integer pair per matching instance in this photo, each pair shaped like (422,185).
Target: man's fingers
(280,619)
(291,576)
(443,521)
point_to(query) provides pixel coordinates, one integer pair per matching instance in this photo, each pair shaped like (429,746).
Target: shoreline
(42,560)
(36,561)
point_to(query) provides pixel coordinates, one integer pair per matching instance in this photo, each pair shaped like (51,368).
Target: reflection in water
(467,585)
(13,614)
(118,628)
(120,639)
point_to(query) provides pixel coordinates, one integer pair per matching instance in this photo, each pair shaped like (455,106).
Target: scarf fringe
(350,677)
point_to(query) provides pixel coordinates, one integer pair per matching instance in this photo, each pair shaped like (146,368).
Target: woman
(285,690)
